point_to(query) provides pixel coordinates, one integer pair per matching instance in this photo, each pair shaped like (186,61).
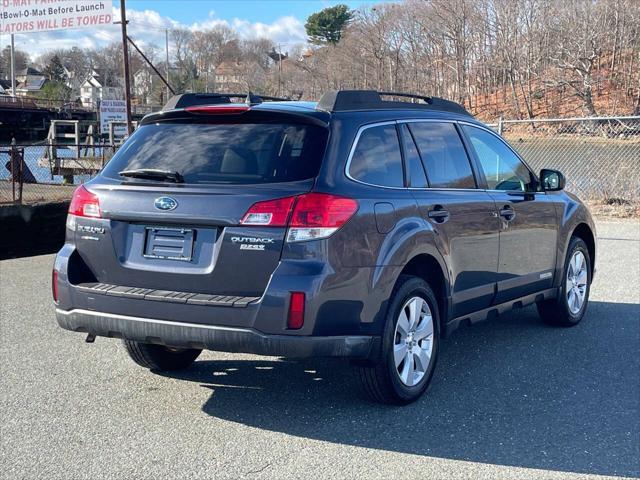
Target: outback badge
(165,203)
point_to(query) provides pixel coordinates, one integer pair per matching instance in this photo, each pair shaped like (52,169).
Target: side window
(376,159)
(502,168)
(417,177)
(443,155)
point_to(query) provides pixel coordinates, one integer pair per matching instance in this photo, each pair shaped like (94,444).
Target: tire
(383,381)
(159,357)
(562,311)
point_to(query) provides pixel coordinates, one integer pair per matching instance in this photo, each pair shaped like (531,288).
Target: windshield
(248,153)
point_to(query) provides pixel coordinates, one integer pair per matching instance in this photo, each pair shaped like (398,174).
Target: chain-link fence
(48,172)
(600,157)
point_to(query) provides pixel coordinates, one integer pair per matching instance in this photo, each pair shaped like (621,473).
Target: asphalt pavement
(511,398)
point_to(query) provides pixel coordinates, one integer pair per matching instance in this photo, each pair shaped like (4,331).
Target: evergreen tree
(55,70)
(326,26)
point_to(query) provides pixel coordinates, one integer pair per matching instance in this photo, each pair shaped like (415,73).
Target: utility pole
(166,65)
(279,70)
(13,66)
(125,62)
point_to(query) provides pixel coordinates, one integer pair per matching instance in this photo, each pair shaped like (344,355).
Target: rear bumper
(218,338)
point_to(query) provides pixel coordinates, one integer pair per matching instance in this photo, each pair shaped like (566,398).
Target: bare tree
(520,58)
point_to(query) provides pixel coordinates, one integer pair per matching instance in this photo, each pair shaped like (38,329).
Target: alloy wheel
(413,341)
(576,283)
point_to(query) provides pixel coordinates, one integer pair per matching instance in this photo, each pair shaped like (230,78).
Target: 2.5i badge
(252,243)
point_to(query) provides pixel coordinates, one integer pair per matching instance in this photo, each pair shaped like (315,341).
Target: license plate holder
(169,243)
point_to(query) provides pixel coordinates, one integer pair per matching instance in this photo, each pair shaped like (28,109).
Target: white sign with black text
(27,16)
(113,111)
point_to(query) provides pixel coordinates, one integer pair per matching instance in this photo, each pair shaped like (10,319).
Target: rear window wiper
(154,174)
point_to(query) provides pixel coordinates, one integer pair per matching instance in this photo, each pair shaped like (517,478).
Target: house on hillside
(143,82)
(98,86)
(229,77)
(28,74)
(29,82)
(74,79)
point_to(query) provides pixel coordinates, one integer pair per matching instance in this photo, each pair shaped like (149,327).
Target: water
(32,155)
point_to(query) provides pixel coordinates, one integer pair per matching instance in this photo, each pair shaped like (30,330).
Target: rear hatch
(175,209)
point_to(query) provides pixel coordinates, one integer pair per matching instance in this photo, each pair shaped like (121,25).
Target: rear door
(462,215)
(528,232)
(190,236)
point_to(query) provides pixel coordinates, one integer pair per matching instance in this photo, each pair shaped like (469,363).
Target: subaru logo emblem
(165,203)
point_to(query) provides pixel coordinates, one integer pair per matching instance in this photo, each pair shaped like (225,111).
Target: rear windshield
(248,153)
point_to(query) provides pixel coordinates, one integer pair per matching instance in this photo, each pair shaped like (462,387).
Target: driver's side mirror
(551,180)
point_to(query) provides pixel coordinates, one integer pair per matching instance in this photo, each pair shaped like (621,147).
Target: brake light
(314,216)
(319,215)
(84,203)
(271,213)
(217,109)
(54,285)
(295,320)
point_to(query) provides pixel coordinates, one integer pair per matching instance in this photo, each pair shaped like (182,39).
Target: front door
(528,232)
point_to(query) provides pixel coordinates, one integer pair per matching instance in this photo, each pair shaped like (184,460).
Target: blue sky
(279,20)
(266,11)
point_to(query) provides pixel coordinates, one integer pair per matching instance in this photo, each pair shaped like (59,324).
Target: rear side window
(377,159)
(443,155)
(249,153)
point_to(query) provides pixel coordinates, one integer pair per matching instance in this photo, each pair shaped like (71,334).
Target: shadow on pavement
(512,391)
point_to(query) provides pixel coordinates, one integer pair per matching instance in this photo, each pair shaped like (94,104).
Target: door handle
(438,214)
(508,213)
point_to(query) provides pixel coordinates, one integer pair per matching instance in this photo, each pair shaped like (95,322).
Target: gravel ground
(511,398)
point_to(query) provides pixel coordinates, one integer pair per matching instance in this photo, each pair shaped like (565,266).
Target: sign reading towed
(25,16)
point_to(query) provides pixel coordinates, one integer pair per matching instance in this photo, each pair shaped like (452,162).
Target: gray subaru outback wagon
(361,226)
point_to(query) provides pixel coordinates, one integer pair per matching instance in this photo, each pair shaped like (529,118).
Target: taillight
(84,203)
(319,215)
(314,216)
(295,320)
(271,213)
(54,285)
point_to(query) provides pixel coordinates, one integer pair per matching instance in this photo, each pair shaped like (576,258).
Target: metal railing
(33,174)
(600,156)
(29,102)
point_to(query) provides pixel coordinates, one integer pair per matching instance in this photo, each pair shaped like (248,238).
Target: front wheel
(568,309)
(409,345)
(159,357)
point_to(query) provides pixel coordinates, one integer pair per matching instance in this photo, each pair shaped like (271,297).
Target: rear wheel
(159,357)
(409,345)
(568,309)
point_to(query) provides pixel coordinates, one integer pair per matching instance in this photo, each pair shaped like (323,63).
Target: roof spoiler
(353,100)
(185,100)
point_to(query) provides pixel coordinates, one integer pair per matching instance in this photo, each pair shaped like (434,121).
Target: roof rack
(350,100)
(185,100)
